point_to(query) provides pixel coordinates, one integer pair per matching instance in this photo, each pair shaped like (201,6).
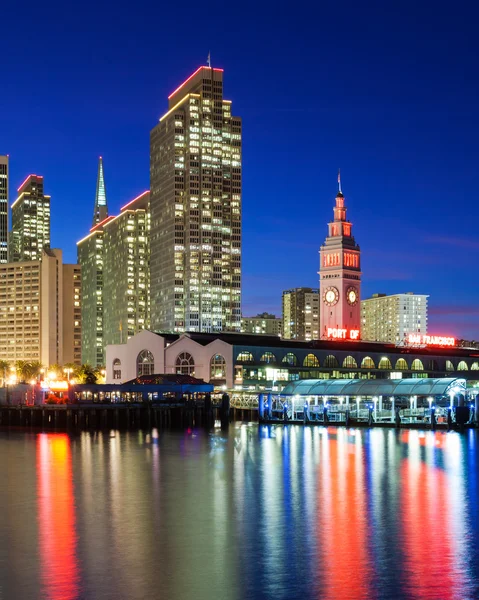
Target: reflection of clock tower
(340,274)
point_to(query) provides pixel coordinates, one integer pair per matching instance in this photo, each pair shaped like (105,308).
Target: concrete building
(195,183)
(34,325)
(30,232)
(72,314)
(301,314)
(3,209)
(340,278)
(253,363)
(126,275)
(264,324)
(391,318)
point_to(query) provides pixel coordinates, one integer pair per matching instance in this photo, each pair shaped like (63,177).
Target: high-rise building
(30,232)
(100,212)
(72,314)
(34,325)
(3,209)
(301,314)
(391,318)
(195,183)
(340,278)
(264,323)
(126,274)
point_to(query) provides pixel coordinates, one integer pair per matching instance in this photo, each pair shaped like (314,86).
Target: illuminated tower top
(101,206)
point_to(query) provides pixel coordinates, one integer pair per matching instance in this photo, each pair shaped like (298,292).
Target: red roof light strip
(134,200)
(27,178)
(191,77)
(101,223)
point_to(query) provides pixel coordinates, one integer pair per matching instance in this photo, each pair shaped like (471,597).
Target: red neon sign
(343,334)
(430,340)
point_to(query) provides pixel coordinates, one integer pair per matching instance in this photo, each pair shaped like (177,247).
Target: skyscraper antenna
(208,60)
(339,181)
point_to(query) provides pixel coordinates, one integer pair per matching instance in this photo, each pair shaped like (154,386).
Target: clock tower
(340,278)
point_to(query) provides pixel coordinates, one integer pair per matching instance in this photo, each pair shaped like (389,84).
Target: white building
(391,318)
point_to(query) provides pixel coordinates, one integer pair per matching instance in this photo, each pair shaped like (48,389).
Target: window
(218,367)
(350,363)
(385,363)
(331,362)
(185,364)
(475,366)
(268,357)
(290,359)
(368,363)
(449,366)
(117,368)
(462,366)
(311,361)
(145,363)
(401,365)
(245,357)
(417,365)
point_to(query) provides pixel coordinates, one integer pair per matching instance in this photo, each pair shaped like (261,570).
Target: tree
(86,374)
(4,368)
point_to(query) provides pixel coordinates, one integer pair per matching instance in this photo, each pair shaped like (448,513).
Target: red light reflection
(57,537)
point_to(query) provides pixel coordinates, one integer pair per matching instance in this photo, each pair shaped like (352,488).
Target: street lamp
(68,371)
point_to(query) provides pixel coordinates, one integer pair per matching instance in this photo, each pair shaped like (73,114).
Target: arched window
(217,367)
(401,365)
(475,366)
(117,368)
(268,357)
(433,365)
(385,363)
(311,361)
(245,357)
(417,365)
(290,359)
(368,363)
(185,364)
(145,363)
(350,362)
(331,362)
(449,366)
(462,366)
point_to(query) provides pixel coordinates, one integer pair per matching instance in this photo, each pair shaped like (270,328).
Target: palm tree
(86,374)
(4,367)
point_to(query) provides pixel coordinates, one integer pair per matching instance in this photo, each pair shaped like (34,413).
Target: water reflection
(269,512)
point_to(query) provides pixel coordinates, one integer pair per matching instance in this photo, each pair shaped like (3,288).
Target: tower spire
(101,207)
(339,181)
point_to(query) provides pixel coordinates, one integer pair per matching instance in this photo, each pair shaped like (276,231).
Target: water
(257,512)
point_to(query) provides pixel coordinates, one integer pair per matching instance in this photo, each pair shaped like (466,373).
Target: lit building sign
(343,334)
(431,340)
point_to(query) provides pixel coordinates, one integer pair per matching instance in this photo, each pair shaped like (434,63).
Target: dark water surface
(256,512)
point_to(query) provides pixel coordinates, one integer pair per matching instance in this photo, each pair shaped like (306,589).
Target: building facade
(195,183)
(340,278)
(392,318)
(301,314)
(126,276)
(72,314)
(3,209)
(30,232)
(33,324)
(265,324)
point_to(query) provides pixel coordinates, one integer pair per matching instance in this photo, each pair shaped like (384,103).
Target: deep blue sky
(388,91)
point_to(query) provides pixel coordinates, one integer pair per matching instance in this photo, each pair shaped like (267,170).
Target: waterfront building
(340,278)
(251,363)
(301,314)
(34,325)
(195,183)
(264,323)
(100,212)
(72,314)
(392,318)
(3,209)
(30,232)
(126,276)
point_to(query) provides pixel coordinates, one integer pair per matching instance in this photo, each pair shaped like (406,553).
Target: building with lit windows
(36,323)
(30,232)
(126,273)
(195,184)
(264,324)
(90,259)
(3,209)
(301,314)
(392,318)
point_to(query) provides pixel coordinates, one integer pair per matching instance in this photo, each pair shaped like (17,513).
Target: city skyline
(398,132)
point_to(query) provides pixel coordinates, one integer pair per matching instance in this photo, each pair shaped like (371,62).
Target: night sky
(387,91)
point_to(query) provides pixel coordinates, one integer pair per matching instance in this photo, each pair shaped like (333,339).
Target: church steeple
(101,206)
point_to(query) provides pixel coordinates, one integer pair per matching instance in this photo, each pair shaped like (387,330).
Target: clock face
(352,296)
(331,296)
